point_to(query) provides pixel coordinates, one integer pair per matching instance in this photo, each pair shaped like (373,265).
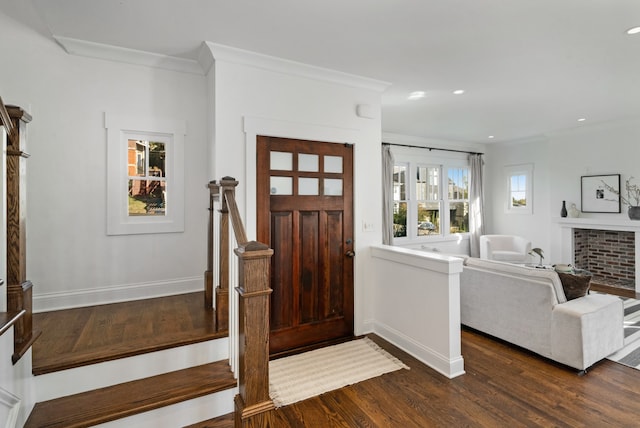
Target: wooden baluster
(253,406)
(222,291)
(214,191)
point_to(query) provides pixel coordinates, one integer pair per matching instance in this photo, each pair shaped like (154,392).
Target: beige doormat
(296,378)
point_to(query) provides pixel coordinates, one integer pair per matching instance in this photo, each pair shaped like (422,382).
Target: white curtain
(476,203)
(387,195)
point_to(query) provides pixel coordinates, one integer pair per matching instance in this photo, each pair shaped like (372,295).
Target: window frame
(412,160)
(511,171)
(119,130)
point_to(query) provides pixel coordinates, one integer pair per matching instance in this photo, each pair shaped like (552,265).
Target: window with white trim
(430,199)
(519,198)
(145,171)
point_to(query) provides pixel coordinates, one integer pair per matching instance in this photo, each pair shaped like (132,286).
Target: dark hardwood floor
(503,386)
(82,336)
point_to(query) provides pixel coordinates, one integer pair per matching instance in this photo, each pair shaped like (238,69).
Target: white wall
(559,162)
(258,95)
(535,226)
(70,259)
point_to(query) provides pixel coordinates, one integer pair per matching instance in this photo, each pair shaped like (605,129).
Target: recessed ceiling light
(458,92)
(582,119)
(416,95)
(634,30)
(491,137)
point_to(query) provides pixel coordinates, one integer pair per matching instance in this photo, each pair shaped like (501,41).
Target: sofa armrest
(587,329)
(523,246)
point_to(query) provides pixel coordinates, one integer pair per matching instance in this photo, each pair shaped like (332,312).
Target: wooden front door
(305,213)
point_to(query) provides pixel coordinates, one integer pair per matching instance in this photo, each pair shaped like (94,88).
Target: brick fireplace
(610,249)
(608,254)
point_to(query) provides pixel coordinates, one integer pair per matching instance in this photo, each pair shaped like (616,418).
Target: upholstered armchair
(506,248)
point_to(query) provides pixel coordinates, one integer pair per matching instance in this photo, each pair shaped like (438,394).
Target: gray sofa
(527,307)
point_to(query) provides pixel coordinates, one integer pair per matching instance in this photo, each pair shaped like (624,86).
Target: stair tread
(224,421)
(129,398)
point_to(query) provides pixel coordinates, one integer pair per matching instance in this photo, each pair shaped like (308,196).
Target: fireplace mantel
(599,223)
(567,225)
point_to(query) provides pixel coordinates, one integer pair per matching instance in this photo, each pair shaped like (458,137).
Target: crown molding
(253,59)
(129,56)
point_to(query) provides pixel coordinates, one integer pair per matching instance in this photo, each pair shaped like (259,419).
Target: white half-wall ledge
(417,305)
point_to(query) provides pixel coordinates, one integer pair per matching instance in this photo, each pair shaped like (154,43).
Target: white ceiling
(529,67)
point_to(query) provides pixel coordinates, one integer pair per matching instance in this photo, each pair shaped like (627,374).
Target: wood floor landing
(82,336)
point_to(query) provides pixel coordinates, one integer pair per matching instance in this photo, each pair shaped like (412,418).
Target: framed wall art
(601,193)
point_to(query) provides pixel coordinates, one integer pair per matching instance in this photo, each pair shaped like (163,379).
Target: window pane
(333,164)
(458,183)
(136,158)
(518,190)
(308,186)
(399,219)
(282,161)
(157,157)
(308,163)
(458,217)
(428,218)
(281,186)
(399,183)
(333,187)
(427,183)
(147,197)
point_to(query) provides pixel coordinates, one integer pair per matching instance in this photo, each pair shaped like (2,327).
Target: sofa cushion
(508,268)
(574,285)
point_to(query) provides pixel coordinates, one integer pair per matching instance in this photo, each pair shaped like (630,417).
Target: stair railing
(247,314)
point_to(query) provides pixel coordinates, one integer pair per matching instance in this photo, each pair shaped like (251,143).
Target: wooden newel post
(19,289)
(253,406)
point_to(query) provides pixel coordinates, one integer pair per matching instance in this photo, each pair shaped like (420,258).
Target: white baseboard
(9,408)
(366,327)
(118,293)
(449,367)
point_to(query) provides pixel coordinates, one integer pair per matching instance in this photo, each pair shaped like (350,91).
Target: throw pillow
(574,285)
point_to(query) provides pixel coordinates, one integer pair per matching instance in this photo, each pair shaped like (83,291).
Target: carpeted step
(130,398)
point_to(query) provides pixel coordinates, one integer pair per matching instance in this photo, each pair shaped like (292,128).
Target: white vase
(573,211)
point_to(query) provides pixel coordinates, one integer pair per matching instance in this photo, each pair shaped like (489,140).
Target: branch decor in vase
(632,199)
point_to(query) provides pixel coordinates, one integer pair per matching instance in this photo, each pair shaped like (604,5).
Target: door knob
(350,254)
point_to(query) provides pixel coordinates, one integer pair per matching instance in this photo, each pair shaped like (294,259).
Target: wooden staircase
(90,369)
(165,362)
